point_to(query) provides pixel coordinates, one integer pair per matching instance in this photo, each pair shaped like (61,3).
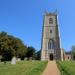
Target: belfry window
(51,44)
(50,20)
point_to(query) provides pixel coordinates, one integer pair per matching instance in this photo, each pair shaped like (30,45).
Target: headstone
(33,60)
(30,58)
(18,59)
(13,61)
(25,58)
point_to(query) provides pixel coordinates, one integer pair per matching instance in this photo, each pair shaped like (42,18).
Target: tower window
(51,44)
(50,20)
(50,31)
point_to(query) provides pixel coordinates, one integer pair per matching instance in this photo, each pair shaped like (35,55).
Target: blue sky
(24,19)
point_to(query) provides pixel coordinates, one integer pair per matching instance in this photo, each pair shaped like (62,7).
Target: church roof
(68,52)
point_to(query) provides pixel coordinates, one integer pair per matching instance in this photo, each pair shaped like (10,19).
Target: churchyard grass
(23,68)
(66,67)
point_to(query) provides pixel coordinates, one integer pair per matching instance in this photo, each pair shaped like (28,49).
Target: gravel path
(51,69)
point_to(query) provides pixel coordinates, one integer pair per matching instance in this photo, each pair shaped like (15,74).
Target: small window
(50,20)
(50,31)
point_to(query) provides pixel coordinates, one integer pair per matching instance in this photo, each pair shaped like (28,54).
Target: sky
(24,19)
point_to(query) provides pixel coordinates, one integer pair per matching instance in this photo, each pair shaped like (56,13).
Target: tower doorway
(51,57)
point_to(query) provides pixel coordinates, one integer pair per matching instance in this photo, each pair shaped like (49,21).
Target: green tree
(4,48)
(11,46)
(38,55)
(20,49)
(30,52)
(73,52)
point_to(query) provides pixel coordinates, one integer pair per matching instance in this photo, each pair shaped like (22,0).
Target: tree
(38,55)
(11,46)
(5,52)
(20,49)
(30,52)
(73,51)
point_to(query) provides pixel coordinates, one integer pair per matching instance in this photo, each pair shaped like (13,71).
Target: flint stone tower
(50,49)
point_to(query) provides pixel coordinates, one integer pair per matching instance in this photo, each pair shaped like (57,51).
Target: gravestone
(30,58)
(26,58)
(13,61)
(18,59)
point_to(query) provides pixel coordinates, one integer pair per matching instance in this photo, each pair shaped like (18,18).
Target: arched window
(50,20)
(51,44)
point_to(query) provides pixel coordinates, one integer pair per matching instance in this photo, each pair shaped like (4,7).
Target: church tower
(50,49)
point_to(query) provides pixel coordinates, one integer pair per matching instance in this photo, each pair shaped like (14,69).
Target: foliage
(67,67)
(38,55)
(73,51)
(30,52)
(23,68)
(11,46)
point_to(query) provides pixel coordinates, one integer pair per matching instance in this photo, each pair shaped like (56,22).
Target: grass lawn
(67,67)
(23,68)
